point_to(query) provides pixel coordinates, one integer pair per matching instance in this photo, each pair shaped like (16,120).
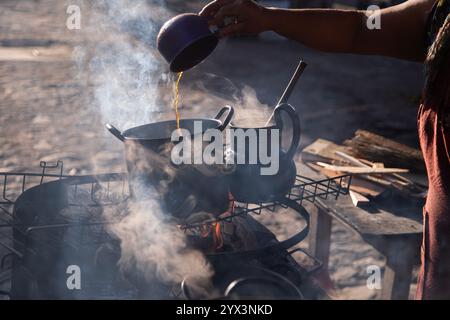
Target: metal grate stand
(102,194)
(89,195)
(15,183)
(305,189)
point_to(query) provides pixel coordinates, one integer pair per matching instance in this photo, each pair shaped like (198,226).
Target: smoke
(130,85)
(221,91)
(156,247)
(117,59)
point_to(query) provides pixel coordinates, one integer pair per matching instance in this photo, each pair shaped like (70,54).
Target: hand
(249,18)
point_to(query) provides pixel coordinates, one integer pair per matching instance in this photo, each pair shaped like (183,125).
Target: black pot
(185,41)
(241,281)
(184,188)
(248,183)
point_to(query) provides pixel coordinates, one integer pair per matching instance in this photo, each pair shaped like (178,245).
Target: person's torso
(434,112)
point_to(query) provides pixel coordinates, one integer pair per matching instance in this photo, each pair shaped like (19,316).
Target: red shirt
(434,135)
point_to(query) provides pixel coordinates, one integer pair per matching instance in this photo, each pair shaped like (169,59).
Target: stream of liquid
(177,98)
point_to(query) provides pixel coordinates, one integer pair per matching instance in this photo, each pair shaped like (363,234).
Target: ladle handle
(290,153)
(288,91)
(227,117)
(290,87)
(115,132)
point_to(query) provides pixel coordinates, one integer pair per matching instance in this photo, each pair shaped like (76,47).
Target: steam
(209,92)
(156,247)
(129,86)
(117,59)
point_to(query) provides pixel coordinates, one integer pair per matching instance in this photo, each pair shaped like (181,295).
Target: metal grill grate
(102,192)
(85,227)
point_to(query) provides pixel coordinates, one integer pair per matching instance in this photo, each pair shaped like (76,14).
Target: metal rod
(291,85)
(288,91)
(8,247)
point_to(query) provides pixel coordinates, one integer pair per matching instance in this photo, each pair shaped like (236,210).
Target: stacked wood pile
(377,164)
(379,149)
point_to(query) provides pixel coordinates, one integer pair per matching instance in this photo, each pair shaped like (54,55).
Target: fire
(217,236)
(215,229)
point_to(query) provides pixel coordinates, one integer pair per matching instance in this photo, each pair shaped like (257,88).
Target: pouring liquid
(177,98)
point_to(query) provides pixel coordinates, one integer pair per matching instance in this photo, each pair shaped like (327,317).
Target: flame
(218,240)
(206,229)
(215,228)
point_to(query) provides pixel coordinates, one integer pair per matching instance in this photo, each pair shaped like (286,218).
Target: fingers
(219,10)
(212,7)
(229,10)
(232,29)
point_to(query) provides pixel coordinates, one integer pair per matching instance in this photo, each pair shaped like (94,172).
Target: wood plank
(361,170)
(377,221)
(319,242)
(321,150)
(400,260)
(358,199)
(398,181)
(319,235)
(350,159)
(359,184)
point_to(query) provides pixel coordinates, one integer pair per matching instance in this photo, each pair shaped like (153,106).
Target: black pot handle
(227,118)
(115,132)
(295,126)
(275,280)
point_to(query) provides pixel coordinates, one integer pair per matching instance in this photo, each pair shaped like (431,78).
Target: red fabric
(434,135)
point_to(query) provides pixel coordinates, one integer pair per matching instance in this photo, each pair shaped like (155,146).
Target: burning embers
(207,227)
(207,236)
(213,229)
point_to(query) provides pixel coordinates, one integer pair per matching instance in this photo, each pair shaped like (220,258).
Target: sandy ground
(45,110)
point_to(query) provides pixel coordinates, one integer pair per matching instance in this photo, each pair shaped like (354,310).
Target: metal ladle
(290,87)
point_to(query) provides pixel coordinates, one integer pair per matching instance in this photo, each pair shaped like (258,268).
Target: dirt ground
(46,111)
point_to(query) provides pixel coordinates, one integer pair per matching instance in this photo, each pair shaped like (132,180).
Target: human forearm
(401,32)
(323,29)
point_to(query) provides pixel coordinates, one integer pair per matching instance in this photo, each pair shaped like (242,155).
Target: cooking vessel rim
(234,126)
(126,132)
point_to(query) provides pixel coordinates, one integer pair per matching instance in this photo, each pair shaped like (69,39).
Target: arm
(401,35)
